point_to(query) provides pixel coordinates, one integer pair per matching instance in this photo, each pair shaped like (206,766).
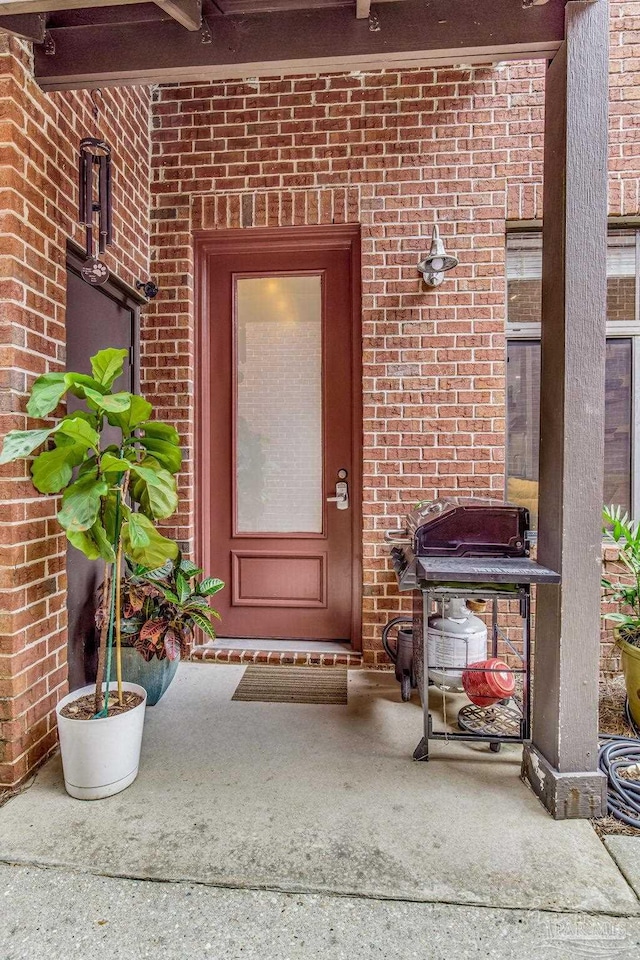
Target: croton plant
(115,466)
(161,608)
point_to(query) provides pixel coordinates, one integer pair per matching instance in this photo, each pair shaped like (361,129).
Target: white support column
(562,762)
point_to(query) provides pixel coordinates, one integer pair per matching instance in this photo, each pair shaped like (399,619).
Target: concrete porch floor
(324,800)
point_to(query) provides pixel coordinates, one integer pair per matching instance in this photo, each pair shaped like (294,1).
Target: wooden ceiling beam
(48,6)
(31,26)
(409,33)
(188,13)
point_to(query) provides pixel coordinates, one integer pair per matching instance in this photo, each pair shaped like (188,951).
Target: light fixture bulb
(434,266)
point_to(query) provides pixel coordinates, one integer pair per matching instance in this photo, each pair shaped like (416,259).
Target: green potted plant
(625,534)
(160,612)
(113,495)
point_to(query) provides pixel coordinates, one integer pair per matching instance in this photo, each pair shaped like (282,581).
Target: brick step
(276,657)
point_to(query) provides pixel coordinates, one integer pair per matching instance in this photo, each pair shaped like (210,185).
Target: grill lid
(468,527)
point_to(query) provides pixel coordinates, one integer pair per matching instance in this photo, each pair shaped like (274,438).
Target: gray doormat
(293,684)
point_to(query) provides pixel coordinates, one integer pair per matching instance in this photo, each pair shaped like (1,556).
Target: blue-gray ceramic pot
(154,675)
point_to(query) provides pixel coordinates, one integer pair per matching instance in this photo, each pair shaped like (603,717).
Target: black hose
(392,652)
(616,753)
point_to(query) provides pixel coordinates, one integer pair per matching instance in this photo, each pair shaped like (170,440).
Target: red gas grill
(470,549)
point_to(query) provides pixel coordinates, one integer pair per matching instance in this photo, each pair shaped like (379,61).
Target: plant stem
(118,624)
(102,644)
(125,486)
(112,605)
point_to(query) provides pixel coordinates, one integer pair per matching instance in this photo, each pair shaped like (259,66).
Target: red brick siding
(389,150)
(39,141)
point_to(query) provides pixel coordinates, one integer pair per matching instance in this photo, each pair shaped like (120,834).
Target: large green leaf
(183,588)
(159,573)
(113,466)
(167,454)
(84,542)
(201,621)
(86,415)
(99,534)
(209,586)
(93,543)
(21,443)
(49,389)
(81,503)
(138,411)
(109,511)
(110,402)
(79,383)
(154,489)
(198,603)
(90,464)
(142,543)
(79,431)
(189,568)
(52,470)
(160,431)
(107,365)
(46,393)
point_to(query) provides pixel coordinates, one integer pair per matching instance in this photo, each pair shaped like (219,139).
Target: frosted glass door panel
(278,333)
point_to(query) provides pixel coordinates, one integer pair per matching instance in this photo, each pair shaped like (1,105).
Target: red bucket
(488,681)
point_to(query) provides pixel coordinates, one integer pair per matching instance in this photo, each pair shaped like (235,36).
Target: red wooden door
(278,425)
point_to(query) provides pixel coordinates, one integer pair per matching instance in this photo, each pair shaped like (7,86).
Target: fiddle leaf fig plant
(101,480)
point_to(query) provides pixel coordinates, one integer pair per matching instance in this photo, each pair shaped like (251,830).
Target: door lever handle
(341,498)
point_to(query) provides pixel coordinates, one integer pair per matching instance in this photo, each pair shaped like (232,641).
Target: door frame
(259,240)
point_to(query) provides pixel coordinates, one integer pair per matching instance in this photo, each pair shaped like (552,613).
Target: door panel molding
(254,241)
(250,570)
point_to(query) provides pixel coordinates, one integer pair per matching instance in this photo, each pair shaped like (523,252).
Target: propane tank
(454,640)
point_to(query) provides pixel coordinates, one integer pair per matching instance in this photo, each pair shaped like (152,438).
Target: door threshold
(282,646)
(297,652)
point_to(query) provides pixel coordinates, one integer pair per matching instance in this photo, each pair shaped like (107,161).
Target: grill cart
(457,552)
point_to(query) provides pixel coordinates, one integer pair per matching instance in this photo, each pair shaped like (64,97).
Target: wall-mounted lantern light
(434,267)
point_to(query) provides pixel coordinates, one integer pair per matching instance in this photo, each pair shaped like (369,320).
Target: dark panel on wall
(97,317)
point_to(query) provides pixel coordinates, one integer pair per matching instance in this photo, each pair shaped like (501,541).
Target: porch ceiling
(109,42)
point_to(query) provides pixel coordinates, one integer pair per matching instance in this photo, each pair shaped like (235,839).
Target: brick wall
(38,147)
(389,150)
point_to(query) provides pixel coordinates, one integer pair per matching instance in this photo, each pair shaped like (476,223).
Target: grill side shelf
(470,570)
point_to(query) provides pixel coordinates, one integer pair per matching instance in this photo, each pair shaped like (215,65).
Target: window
(622,399)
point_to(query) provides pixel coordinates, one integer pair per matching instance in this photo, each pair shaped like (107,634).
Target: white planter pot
(100,757)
